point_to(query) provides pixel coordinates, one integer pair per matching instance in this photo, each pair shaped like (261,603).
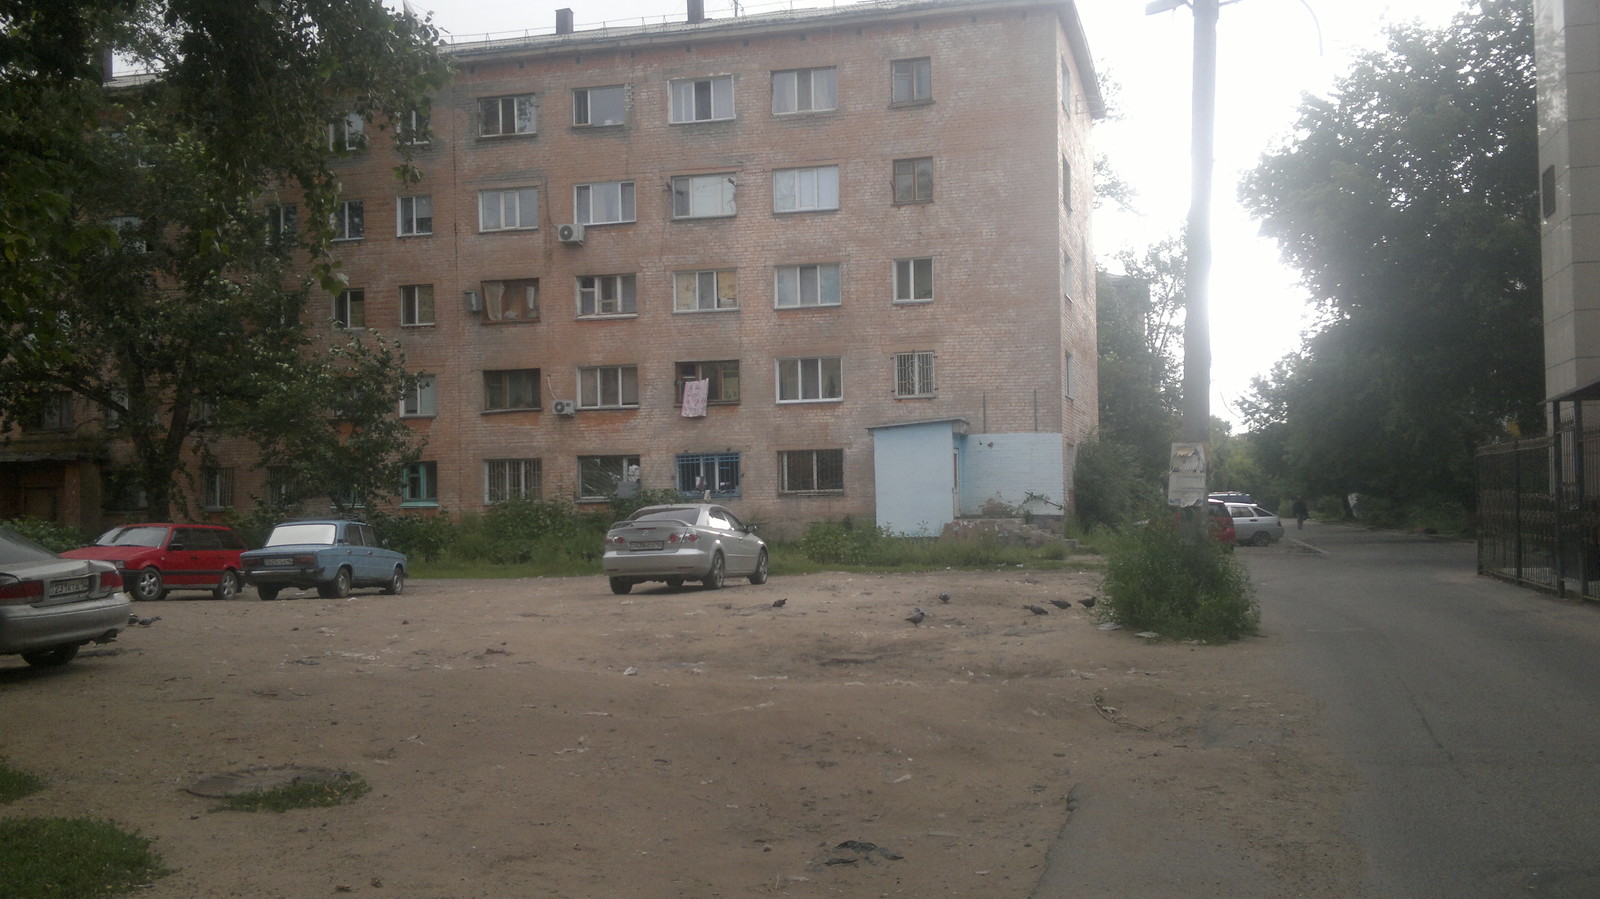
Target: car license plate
(280,563)
(68,587)
(645,544)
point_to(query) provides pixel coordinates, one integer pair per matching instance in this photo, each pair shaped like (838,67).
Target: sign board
(1186,479)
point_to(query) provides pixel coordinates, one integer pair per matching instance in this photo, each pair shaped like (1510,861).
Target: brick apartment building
(812,264)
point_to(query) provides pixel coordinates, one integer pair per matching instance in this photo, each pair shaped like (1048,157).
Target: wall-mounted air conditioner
(474,301)
(564,407)
(572,234)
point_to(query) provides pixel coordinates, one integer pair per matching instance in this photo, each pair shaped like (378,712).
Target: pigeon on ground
(143,622)
(1087,603)
(944,597)
(1037,610)
(1061,603)
(916,615)
(778,603)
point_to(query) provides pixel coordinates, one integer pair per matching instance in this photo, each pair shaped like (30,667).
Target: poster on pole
(1186,481)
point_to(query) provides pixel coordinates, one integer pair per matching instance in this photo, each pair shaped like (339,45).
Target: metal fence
(1539,511)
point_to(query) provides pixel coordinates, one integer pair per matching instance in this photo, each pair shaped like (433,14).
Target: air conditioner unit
(564,407)
(474,301)
(572,234)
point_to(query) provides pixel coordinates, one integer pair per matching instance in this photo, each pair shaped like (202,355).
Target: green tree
(138,272)
(1408,201)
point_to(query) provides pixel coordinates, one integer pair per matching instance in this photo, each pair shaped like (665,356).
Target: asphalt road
(1469,707)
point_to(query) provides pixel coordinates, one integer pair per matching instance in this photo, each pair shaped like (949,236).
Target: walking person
(1301,513)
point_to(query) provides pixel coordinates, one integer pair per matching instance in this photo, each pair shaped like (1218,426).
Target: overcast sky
(1270,53)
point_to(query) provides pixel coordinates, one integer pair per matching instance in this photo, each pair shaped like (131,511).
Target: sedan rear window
(682,516)
(16,549)
(133,537)
(292,534)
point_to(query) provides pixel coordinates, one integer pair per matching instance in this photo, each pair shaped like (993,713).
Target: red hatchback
(155,558)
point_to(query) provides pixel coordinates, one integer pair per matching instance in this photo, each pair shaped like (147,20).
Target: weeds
(1177,581)
(78,857)
(301,794)
(15,784)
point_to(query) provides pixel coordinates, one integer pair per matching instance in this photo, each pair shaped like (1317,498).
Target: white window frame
(608,387)
(791,290)
(615,198)
(415,127)
(706,290)
(799,91)
(914,375)
(350,220)
(704,99)
(913,279)
(911,80)
(345,303)
(505,479)
(509,209)
(283,222)
(806,379)
(218,488)
(607,296)
(703,196)
(349,133)
(421,399)
(416,305)
(583,105)
(413,215)
(524,110)
(809,189)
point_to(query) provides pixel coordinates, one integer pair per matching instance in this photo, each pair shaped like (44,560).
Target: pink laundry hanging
(694,397)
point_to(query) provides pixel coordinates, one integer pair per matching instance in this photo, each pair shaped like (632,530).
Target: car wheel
(673,583)
(268,594)
(55,655)
(339,589)
(397,582)
(1263,539)
(621,585)
(713,578)
(759,576)
(148,585)
(228,587)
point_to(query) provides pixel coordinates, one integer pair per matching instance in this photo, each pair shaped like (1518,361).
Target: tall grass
(1177,581)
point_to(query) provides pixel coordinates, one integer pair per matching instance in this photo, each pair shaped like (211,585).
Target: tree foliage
(137,272)
(1408,201)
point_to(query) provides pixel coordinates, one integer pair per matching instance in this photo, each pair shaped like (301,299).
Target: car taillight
(685,537)
(111,580)
(14,592)
(616,541)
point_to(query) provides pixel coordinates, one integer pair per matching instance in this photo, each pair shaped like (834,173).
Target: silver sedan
(683,542)
(1253,525)
(50,606)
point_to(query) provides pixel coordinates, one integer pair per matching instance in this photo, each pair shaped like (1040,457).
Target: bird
(916,615)
(1087,603)
(944,597)
(1037,610)
(1061,603)
(143,622)
(778,603)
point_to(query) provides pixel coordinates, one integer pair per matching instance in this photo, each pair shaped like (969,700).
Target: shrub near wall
(1175,580)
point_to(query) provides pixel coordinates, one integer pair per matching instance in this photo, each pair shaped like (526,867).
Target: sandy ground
(547,738)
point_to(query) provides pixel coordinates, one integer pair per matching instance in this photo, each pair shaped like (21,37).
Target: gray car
(1253,525)
(50,606)
(331,554)
(683,542)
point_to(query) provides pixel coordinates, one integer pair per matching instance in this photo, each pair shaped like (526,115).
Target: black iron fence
(1539,511)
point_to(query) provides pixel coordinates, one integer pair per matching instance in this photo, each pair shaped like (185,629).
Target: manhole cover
(233,783)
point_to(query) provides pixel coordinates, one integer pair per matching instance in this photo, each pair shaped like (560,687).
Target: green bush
(78,857)
(843,543)
(51,535)
(1179,582)
(419,536)
(1107,486)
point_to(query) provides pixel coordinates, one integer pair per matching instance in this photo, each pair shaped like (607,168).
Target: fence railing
(1539,512)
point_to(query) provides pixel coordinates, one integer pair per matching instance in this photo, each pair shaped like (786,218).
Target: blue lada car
(333,555)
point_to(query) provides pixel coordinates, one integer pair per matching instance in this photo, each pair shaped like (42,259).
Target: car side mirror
(175,547)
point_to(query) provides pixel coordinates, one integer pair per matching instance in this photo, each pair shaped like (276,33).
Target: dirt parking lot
(547,738)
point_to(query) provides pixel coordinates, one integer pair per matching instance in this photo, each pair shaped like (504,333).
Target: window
(706,291)
(812,380)
(415,127)
(713,473)
(508,210)
(217,485)
(599,476)
(805,190)
(807,285)
(805,90)
(54,413)
(416,304)
(608,387)
(350,309)
(913,280)
(511,300)
(421,485)
(420,400)
(811,471)
(702,99)
(506,115)
(1066,183)
(1066,87)
(603,203)
(913,180)
(606,295)
(599,105)
(702,196)
(348,133)
(723,375)
(505,479)
(911,80)
(282,225)
(913,375)
(511,389)
(414,216)
(350,220)
(1068,387)
(282,487)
